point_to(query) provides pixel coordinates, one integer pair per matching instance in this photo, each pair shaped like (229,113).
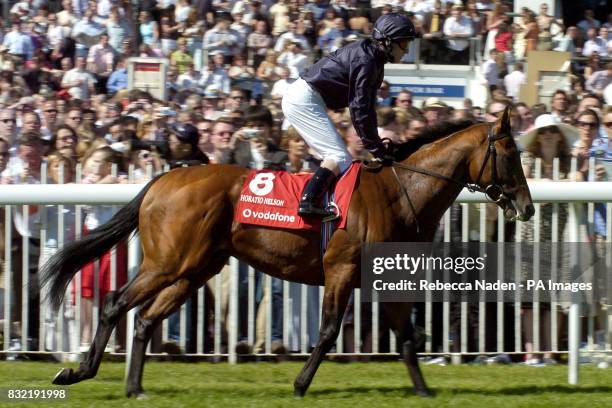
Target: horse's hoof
(424,393)
(138,394)
(64,377)
(298,392)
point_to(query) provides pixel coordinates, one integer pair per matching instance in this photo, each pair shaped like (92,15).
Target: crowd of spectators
(64,102)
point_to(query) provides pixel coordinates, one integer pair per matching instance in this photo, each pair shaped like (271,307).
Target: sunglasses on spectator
(4,154)
(608,125)
(590,125)
(227,132)
(51,110)
(8,120)
(204,130)
(76,118)
(405,100)
(237,97)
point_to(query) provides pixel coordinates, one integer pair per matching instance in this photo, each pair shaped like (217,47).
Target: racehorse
(185,221)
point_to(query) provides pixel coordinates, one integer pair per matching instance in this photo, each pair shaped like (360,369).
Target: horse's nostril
(529,210)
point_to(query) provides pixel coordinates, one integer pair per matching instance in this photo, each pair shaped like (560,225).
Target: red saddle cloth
(270,198)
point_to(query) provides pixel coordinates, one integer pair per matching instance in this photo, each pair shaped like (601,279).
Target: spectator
(404,100)
(384,94)
(291,36)
(78,81)
(559,105)
(118,30)
(148,29)
(333,38)
(526,118)
(204,142)
(434,111)
(600,80)
(242,76)
(258,43)
(221,39)
(513,81)
(253,145)
(547,141)
(117,80)
(64,142)
(74,118)
(490,71)
(495,18)
(568,43)
(100,61)
(97,169)
(279,14)
(532,32)
(30,123)
(222,131)
(594,44)
(190,79)
(588,123)
(49,118)
(67,17)
(181,57)
(458,29)
(86,33)
(18,44)
(216,76)
(8,128)
(294,59)
(280,87)
(589,22)
(415,127)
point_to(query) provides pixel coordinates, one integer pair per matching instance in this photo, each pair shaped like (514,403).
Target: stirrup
(332,207)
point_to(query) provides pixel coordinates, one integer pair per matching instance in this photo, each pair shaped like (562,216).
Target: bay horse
(185,221)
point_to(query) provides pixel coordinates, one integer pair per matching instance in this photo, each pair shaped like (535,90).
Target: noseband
(493,191)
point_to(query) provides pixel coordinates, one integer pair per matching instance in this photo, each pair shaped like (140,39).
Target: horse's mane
(430,134)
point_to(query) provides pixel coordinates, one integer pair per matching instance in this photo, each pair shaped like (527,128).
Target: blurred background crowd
(67,115)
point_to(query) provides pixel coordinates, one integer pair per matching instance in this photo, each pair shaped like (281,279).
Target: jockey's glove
(384,155)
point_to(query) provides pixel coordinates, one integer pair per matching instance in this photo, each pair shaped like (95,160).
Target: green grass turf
(372,384)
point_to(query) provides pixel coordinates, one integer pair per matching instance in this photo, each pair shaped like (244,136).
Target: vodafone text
(267,215)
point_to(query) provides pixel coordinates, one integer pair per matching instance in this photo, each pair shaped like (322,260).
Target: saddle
(270,198)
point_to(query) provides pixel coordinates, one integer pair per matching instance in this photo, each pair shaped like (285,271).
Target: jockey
(349,77)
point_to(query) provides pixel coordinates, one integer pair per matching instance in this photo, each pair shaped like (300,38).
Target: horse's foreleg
(337,293)
(398,315)
(116,304)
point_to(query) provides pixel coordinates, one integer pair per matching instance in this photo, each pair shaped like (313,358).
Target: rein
(493,190)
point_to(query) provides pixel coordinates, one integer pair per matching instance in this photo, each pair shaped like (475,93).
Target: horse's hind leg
(149,317)
(337,292)
(135,292)
(398,315)
(147,320)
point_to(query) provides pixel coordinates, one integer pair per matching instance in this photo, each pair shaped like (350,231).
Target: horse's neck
(432,196)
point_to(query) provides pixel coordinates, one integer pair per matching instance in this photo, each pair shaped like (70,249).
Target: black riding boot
(310,203)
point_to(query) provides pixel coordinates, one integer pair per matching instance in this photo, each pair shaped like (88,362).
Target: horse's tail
(62,266)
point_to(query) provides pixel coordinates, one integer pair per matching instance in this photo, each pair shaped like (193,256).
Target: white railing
(295,312)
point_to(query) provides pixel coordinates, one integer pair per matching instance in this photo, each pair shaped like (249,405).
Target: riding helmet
(393,27)
(186,133)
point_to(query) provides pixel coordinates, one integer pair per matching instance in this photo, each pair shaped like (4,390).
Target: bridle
(493,191)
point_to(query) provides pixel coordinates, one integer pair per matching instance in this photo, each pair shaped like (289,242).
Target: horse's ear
(503,123)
